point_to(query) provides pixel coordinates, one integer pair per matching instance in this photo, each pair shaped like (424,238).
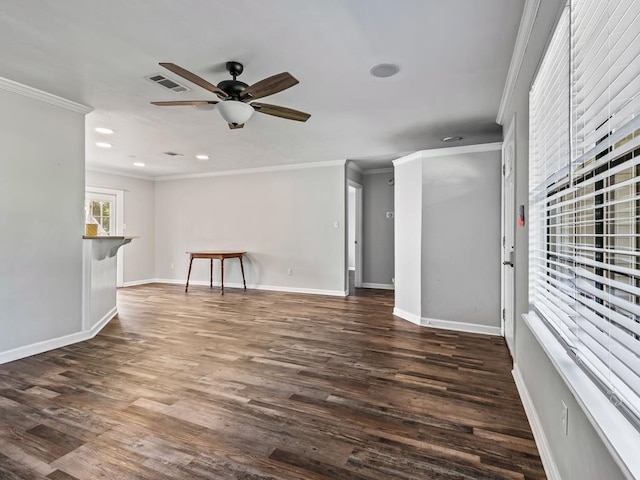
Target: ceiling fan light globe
(235,112)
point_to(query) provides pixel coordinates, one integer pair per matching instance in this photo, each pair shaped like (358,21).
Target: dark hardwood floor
(261,385)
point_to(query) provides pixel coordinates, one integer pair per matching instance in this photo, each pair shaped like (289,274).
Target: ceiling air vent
(173,154)
(167,83)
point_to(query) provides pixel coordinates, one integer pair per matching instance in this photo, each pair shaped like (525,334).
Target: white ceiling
(453,57)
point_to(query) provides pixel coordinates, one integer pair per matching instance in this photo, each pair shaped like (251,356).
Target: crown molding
(34,93)
(378,170)
(118,173)
(248,171)
(442,152)
(354,166)
(522,40)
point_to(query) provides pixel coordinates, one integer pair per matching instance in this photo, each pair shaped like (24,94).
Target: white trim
(378,170)
(442,152)
(382,286)
(406,315)
(354,166)
(59,342)
(118,173)
(522,40)
(139,282)
(616,432)
(359,233)
(248,171)
(550,467)
(406,159)
(271,288)
(39,95)
(460,326)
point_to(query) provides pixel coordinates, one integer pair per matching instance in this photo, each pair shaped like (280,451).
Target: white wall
(139,216)
(407,237)
(581,454)
(461,239)
(377,241)
(283,219)
(41,217)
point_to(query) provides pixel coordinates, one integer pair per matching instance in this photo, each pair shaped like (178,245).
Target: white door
(105,207)
(508,236)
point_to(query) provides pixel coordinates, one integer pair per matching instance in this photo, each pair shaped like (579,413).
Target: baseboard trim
(546,456)
(271,288)
(410,317)
(381,286)
(460,326)
(59,342)
(139,282)
(100,324)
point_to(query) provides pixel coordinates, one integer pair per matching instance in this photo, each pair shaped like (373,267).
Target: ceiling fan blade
(233,126)
(193,78)
(282,112)
(185,102)
(270,85)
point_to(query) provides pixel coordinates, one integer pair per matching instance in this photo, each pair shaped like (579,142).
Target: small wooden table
(220,256)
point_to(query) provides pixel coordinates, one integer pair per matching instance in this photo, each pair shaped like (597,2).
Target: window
(100,213)
(584,193)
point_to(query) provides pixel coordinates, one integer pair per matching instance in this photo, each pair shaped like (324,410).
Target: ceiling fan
(235,96)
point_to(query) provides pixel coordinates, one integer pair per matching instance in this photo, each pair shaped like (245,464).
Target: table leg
(242,269)
(186,288)
(211,274)
(222,276)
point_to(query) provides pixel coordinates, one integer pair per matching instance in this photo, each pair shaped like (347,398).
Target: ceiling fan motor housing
(233,88)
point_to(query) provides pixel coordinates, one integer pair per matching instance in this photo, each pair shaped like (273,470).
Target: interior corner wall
(461,240)
(377,230)
(581,454)
(139,216)
(285,219)
(41,216)
(407,238)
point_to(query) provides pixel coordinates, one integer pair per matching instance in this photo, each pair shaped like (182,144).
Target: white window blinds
(585,192)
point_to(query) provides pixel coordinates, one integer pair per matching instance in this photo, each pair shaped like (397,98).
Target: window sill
(618,435)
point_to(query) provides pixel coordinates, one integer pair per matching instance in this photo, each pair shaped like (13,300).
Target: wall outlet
(290,271)
(172,266)
(389,214)
(565,418)
(393,280)
(336,224)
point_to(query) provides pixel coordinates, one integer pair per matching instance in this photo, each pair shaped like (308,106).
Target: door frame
(358,235)
(508,214)
(120,226)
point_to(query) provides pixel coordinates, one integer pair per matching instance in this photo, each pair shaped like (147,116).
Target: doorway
(508,236)
(354,235)
(105,206)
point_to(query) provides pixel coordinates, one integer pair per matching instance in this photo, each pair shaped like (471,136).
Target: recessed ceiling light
(451,139)
(384,70)
(104,130)
(138,164)
(202,157)
(104,144)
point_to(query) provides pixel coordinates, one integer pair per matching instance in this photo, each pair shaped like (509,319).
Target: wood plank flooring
(264,386)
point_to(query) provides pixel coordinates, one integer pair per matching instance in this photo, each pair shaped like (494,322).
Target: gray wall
(41,217)
(461,238)
(581,454)
(139,216)
(377,230)
(285,219)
